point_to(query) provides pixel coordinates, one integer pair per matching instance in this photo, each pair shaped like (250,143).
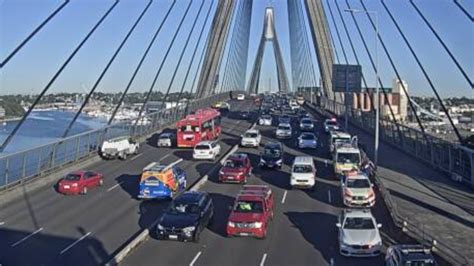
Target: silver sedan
(307,140)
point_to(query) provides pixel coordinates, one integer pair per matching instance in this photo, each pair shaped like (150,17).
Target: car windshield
(233,164)
(331,123)
(248,206)
(202,147)
(361,223)
(165,137)
(184,208)
(358,183)
(250,135)
(307,136)
(305,121)
(302,169)
(348,158)
(274,153)
(284,117)
(284,127)
(72,177)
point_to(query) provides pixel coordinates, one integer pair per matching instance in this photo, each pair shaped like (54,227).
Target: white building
(403,100)
(2,112)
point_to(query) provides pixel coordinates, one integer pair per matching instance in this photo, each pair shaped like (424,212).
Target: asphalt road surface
(304,229)
(47,228)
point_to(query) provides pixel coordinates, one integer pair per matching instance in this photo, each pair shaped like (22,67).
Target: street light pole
(377,93)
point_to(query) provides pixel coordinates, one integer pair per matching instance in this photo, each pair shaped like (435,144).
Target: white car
(330,125)
(303,172)
(119,147)
(359,234)
(166,140)
(357,190)
(265,120)
(206,150)
(251,138)
(307,140)
(240,96)
(283,131)
(306,124)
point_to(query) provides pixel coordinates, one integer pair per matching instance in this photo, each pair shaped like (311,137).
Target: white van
(303,172)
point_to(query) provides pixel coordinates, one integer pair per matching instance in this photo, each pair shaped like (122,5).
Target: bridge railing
(450,158)
(21,166)
(409,137)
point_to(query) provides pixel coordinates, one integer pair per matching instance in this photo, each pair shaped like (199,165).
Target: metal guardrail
(18,167)
(410,228)
(453,159)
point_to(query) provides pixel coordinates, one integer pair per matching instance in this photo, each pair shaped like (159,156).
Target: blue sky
(30,70)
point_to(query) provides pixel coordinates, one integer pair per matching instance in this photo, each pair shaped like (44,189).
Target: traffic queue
(253,209)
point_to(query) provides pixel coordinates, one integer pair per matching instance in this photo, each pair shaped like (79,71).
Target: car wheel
(196,236)
(84,190)
(101,182)
(264,235)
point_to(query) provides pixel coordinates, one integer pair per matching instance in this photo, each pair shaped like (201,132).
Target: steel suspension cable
(28,38)
(463,10)
(104,71)
(460,138)
(183,51)
(56,75)
(137,69)
(157,74)
(229,52)
(337,32)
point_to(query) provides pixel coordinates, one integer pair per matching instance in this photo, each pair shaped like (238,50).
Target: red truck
(252,211)
(237,168)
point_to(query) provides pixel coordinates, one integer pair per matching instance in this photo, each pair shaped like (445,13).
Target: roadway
(302,233)
(47,228)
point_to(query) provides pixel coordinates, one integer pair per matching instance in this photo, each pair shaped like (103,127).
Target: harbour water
(44,127)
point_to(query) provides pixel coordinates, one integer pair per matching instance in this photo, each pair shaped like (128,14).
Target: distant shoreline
(12,119)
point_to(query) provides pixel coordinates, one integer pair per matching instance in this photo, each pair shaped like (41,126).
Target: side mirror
(338,225)
(379,225)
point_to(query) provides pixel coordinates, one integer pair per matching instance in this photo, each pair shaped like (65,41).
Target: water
(44,127)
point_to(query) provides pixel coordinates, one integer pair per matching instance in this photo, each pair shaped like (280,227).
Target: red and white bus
(204,124)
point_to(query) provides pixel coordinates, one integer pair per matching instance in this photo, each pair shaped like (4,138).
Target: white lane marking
(73,244)
(326,163)
(195,258)
(329,196)
(166,156)
(2,223)
(112,188)
(332,261)
(284,197)
(26,237)
(262,263)
(136,156)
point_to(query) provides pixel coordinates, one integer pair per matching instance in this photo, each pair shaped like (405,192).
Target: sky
(33,66)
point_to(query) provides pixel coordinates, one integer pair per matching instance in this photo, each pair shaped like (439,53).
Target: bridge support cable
(193,56)
(442,44)
(302,67)
(33,33)
(322,44)
(158,71)
(56,75)
(337,32)
(181,56)
(231,51)
(104,71)
(209,75)
(374,67)
(460,138)
(463,10)
(137,69)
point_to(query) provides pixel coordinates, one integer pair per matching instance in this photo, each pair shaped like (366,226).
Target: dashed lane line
(284,197)
(73,244)
(26,237)
(262,262)
(195,258)
(115,186)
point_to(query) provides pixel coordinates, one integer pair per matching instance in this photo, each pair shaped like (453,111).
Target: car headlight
(189,229)
(344,245)
(160,227)
(231,224)
(221,172)
(262,160)
(257,224)
(74,184)
(279,161)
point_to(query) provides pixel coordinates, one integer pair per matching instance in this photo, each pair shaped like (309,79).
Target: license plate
(174,237)
(66,186)
(244,234)
(230,177)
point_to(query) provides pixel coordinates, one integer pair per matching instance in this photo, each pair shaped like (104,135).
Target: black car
(187,215)
(409,255)
(245,115)
(272,155)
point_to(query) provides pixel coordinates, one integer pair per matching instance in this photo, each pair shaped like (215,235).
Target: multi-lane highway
(302,233)
(46,228)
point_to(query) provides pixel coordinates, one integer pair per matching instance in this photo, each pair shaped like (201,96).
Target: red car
(79,182)
(237,168)
(253,210)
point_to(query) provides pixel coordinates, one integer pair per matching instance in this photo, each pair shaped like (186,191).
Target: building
(396,97)
(2,112)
